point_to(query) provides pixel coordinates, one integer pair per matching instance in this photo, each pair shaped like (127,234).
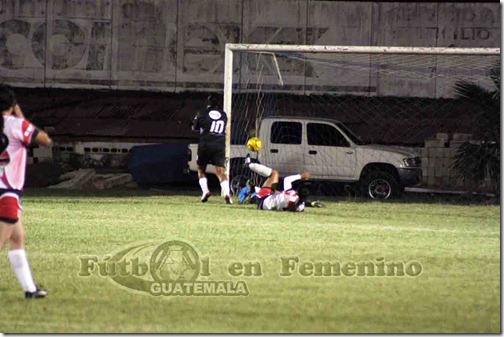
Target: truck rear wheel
(239,174)
(380,185)
(236,183)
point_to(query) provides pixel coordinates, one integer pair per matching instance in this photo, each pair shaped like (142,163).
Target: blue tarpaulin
(159,164)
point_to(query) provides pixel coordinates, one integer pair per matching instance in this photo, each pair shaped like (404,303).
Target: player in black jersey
(211,125)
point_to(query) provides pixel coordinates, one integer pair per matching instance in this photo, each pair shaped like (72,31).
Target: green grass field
(458,247)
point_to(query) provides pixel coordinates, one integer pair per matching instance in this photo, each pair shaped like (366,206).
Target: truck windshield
(356,139)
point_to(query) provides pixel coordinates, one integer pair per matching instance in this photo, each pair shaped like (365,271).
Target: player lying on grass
(17,135)
(269,198)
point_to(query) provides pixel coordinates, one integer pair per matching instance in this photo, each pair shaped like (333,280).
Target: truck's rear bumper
(410,176)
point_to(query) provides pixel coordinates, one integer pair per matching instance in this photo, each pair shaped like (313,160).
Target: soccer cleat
(206,196)
(38,293)
(317,204)
(228,199)
(248,160)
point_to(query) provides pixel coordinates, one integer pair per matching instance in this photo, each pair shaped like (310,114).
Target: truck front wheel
(380,185)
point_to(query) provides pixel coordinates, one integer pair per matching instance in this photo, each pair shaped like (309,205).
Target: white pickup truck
(329,151)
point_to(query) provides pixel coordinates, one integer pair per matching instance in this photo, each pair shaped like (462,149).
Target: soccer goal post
(407,97)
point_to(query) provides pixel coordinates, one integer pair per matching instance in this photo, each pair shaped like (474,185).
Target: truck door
(329,154)
(283,149)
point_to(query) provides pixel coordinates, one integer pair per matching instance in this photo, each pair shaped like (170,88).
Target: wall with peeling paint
(176,45)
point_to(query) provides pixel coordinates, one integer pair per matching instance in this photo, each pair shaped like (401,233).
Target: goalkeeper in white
(269,198)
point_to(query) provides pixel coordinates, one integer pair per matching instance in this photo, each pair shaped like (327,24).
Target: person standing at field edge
(18,134)
(211,125)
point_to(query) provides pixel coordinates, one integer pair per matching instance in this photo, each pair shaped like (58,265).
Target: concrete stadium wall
(177,45)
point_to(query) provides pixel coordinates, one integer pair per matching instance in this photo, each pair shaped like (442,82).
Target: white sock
(264,171)
(224,185)
(21,268)
(203,182)
(287,182)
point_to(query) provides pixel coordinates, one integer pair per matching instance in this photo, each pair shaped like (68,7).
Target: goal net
(426,101)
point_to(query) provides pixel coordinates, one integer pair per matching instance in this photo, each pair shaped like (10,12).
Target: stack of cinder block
(437,160)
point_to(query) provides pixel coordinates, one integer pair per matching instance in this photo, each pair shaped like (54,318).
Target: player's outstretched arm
(195,123)
(42,138)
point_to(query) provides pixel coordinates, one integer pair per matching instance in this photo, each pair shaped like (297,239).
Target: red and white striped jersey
(282,201)
(19,132)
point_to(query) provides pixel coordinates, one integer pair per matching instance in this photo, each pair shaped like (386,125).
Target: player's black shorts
(214,154)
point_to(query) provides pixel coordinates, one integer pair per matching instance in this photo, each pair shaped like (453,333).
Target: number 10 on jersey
(217,127)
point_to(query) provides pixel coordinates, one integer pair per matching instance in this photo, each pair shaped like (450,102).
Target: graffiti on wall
(179,45)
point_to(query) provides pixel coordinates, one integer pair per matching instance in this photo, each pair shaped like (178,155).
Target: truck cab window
(325,135)
(286,133)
